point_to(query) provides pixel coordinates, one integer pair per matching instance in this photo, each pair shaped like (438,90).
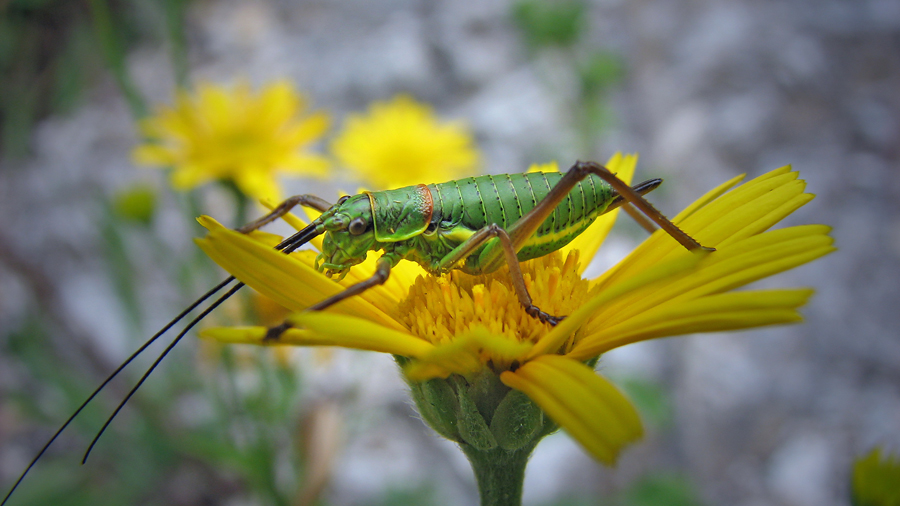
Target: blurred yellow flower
(234,135)
(401,143)
(461,326)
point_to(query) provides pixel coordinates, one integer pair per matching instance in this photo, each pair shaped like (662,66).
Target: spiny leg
(642,189)
(582,169)
(528,224)
(478,239)
(285,207)
(639,217)
(382,272)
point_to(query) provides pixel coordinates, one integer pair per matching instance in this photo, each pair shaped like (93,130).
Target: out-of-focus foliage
(876,480)
(136,204)
(660,490)
(549,23)
(47,57)
(561,29)
(411,497)
(650,399)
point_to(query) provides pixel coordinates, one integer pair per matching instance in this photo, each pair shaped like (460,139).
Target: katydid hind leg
(642,189)
(582,169)
(527,225)
(638,217)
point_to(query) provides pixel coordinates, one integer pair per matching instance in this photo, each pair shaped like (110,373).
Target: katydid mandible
(475,224)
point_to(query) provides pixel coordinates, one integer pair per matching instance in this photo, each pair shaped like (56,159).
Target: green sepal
(436,403)
(517,420)
(438,407)
(486,391)
(471,423)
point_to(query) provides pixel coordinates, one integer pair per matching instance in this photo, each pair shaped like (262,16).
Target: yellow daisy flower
(401,143)
(472,330)
(235,135)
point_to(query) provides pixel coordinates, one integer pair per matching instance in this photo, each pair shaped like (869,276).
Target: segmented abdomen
(502,199)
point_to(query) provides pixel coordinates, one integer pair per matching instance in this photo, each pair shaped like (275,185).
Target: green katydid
(475,224)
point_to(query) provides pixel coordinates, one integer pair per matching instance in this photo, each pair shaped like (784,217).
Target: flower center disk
(438,308)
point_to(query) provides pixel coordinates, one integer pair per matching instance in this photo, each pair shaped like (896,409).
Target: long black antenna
(115,373)
(288,245)
(159,359)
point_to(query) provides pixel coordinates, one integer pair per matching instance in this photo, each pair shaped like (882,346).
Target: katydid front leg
(382,272)
(285,207)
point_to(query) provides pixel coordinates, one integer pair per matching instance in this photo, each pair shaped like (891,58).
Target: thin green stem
(114,52)
(500,473)
(174,15)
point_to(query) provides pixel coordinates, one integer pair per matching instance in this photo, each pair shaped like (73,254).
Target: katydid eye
(357,226)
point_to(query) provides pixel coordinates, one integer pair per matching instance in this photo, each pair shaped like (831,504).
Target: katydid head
(349,235)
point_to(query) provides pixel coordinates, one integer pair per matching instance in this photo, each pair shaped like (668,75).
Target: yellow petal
(726,269)
(586,405)
(381,339)
(386,296)
(309,129)
(754,206)
(257,182)
(550,166)
(270,240)
(187,176)
(282,278)
(553,340)
(466,353)
(327,329)
(304,164)
(153,154)
(708,197)
(727,311)
(217,106)
(277,104)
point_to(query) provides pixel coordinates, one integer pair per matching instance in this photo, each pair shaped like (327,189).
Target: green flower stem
(174,11)
(113,48)
(241,203)
(500,473)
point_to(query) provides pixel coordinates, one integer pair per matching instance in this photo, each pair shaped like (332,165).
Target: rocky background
(702,89)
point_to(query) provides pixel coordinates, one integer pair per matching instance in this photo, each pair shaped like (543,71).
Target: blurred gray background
(702,89)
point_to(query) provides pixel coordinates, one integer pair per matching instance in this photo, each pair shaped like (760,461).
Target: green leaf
(661,490)
(546,23)
(876,480)
(651,400)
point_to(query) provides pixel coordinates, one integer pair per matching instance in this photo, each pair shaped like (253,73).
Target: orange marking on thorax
(428,201)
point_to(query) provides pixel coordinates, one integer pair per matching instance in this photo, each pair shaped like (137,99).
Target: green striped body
(464,206)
